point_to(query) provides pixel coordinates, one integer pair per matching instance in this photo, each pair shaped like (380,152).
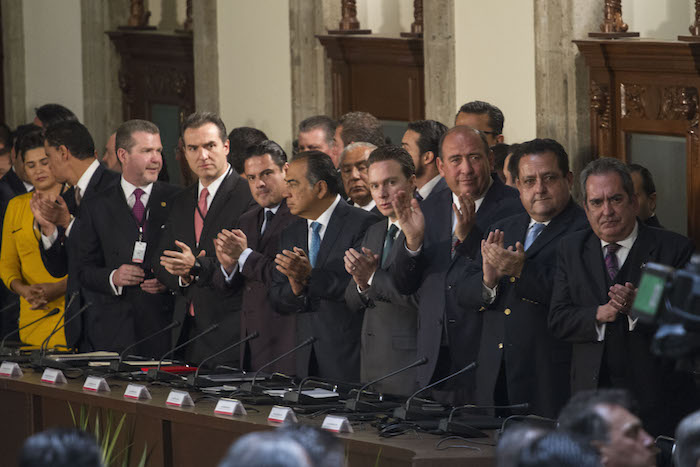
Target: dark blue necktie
(315,242)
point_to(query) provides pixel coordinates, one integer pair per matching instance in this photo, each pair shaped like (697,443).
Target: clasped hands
(229,245)
(130,275)
(621,299)
(180,263)
(498,261)
(361,266)
(296,266)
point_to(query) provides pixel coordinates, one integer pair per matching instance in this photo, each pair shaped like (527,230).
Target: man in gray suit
(389,326)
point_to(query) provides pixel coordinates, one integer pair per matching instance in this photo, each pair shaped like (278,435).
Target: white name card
(280,414)
(53,376)
(179,399)
(336,424)
(229,407)
(10,369)
(137,392)
(95,384)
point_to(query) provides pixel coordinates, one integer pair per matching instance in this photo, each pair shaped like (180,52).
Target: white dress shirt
(621,254)
(367,207)
(426,189)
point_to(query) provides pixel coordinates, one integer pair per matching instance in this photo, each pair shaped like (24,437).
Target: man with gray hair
(353,171)
(595,284)
(316,134)
(687,451)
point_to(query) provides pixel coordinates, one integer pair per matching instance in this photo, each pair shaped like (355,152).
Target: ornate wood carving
(695,27)
(187,25)
(349,24)
(613,26)
(379,75)
(138,16)
(417,25)
(651,87)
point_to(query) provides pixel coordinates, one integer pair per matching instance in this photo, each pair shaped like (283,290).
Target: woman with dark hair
(21,267)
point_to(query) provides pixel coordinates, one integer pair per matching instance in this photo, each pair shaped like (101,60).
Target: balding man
(429,263)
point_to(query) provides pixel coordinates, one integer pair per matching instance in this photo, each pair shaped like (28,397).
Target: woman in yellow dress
(21,267)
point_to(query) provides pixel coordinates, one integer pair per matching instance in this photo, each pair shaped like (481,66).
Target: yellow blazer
(20,258)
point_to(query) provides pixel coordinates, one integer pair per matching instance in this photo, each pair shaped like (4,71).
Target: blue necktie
(315,242)
(533,233)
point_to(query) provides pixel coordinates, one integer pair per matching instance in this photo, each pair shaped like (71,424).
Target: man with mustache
(595,284)
(443,236)
(120,232)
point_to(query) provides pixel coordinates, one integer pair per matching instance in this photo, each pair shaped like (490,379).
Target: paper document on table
(319,393)
(85,356)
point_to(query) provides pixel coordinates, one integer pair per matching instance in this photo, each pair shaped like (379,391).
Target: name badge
(10,369)
(336,424)
(139,252)
(95,384)
(137,392)
(280,414)
(229,407)
(179,399)
(53,376)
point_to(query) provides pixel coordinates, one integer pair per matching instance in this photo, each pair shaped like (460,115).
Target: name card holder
(10,369)
(280,414)
(137,392)
(53,376)
(179,399)
(95,384)
(229,407)
(336,424)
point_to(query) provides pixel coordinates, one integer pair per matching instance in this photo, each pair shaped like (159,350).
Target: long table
(196,435)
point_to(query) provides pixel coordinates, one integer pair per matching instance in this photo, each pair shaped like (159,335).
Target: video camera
(670,298)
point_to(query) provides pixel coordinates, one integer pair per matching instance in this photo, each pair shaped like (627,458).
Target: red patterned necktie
(200,214)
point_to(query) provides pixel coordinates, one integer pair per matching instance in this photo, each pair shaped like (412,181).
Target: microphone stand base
(461,429)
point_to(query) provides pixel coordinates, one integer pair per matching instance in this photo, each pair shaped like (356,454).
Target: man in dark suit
(197,215)
(247,257)
(71,152)
(310,280)
(390,323)
(120,230)
(645,190)
(353,171)
(595,284)
(519,360)
(422,141)
(430,264)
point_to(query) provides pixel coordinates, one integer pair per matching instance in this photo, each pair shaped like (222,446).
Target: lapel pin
(163,203)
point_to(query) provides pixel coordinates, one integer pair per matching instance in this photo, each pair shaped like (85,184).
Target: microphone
(403,412)
(355,404)
(463,429)
(251,388)
(70,302)
(192,380)
(297,397)
(45,345)
(9,307)
(153,373)
(118,366)
(50,313)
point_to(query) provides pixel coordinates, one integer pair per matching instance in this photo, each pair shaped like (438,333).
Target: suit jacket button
(507,311)
(500,346)
(481,308)
(512,278)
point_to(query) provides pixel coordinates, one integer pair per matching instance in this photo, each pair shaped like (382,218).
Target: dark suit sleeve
(56,258)
(407,271)
(471,246)
(567,320)
(93,273)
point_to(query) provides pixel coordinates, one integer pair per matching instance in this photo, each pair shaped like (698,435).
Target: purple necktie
(139,210)
(611,260)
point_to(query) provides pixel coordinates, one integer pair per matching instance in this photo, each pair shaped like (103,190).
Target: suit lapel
(218,203)
(594,264)
(275,226)
(555,228)
(642,249)
(335,225)
(376,237)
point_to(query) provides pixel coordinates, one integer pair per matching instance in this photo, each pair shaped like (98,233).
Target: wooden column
(695,27)
(349,24)
(417,25)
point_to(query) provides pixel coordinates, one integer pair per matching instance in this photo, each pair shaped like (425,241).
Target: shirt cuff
(600,330)
(70,226)
(411,252)
(50,240)
(115,289)
(228,277)
(242,259)
(181,283)
(488,294)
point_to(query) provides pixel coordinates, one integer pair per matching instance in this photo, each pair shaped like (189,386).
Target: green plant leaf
(113,441)
(379,454)
(72,415)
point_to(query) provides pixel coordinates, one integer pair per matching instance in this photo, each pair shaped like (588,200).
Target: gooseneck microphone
(227,348)
(402,412)
(45,345)
(250,387)
(50,313)
(355,404)
(461,428)
(9,307)
(117,366)
(154,373)
(73,296)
